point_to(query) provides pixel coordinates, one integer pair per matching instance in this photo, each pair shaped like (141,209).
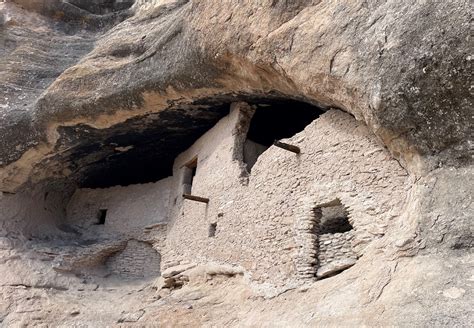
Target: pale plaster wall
(217,171)
(129,209)
(257,223)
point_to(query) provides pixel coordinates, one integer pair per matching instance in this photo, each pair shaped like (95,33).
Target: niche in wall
(274,120)
(334,219)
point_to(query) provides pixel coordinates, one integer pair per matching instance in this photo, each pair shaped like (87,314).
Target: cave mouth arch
(143,149)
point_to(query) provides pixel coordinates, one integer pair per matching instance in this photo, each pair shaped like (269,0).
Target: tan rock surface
(98,94)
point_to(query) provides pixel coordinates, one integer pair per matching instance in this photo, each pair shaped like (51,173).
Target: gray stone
(173,271)
(334,267)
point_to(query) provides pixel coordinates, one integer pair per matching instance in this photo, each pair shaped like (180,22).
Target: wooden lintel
(196,198)
(288,147)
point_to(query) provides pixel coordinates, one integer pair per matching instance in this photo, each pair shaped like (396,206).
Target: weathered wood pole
(286,146)
(196,198)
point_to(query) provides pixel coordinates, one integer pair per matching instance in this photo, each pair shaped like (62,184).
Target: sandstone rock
(131,317)
(383,98)
(334,267)
(5,243)
(102,93)
(173,271)
(454,292)
(226,270)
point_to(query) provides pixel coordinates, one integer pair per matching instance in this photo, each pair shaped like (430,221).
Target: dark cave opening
(101,215)
(139,150)
(143,149)
(273,121)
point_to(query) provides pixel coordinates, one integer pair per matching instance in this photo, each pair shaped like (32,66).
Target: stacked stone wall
(259,219)
(264,221)
(306,260)
(138,260)
(334,247)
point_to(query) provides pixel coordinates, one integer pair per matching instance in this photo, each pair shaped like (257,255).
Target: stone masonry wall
(257,218)
(137,260)
(262,221)
(135,223)
(129,209)
(337,246)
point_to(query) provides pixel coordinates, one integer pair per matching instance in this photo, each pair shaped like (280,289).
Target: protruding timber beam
(196,198)
(286,146)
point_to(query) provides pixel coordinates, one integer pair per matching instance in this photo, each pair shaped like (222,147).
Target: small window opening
(101,216)
(335,235)
(189,173)
(212,230)
(276,120)
(334,220)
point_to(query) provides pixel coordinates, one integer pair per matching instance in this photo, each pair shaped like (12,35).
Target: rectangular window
(101,215)
(212,229)
(188,175)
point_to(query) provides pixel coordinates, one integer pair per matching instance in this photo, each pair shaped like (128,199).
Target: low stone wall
(334,247)
(137,260)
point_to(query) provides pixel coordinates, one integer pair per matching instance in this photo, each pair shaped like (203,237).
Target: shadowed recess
(139,150)
(280,119)
(143,149)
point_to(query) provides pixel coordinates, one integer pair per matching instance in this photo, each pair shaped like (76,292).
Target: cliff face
(401,68)
(103,93)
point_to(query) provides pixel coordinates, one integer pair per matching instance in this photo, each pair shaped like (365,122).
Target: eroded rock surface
(110,92)
(403,71)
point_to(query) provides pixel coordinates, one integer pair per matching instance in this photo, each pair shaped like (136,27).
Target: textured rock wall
(38,212)
(358,56)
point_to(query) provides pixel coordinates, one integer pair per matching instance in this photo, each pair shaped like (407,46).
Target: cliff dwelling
(184,163)
(247,156)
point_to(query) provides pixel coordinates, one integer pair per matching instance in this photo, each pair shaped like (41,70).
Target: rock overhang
(425,109)
(179,62)
(138,150)
(142,148)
